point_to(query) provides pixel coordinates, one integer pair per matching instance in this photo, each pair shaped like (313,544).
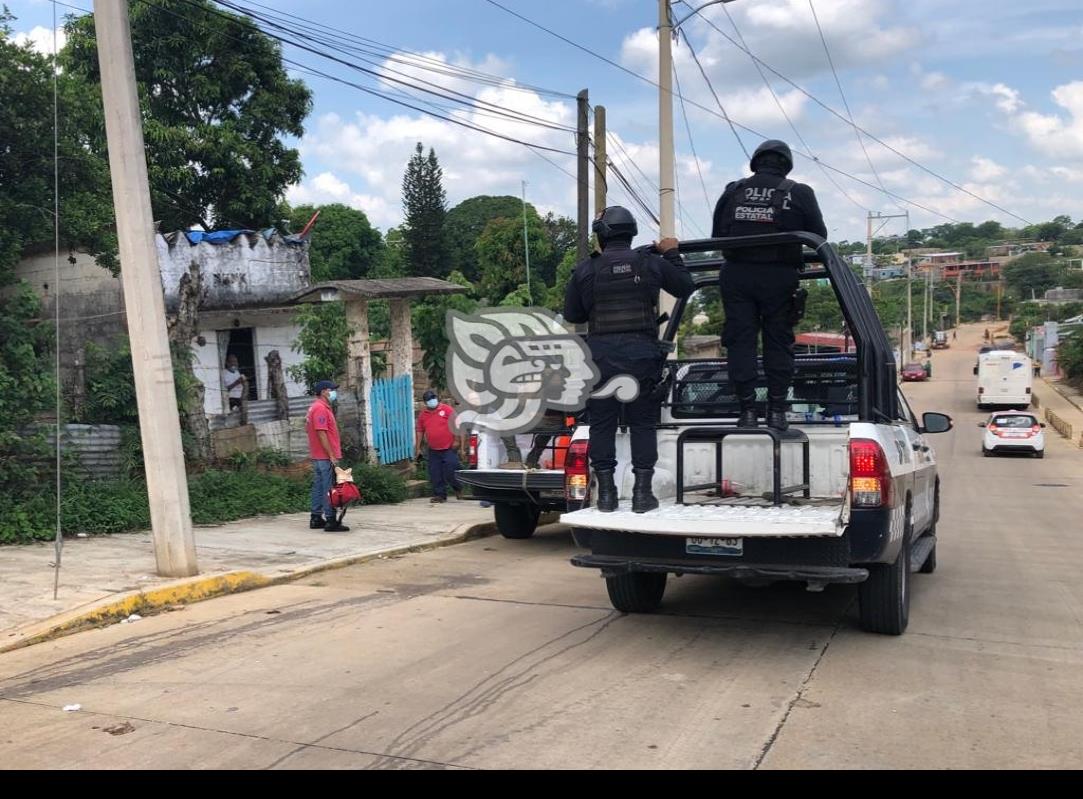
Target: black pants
(758,298)
(632,354)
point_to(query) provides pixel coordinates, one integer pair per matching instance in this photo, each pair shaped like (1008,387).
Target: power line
(789,120)
(738,124)
(857,127)
(359,87)
(396,53)
(692,144)
(386,75)
(714,94)
(842,94)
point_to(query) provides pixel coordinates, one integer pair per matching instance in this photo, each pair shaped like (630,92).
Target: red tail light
(474,451)
(577,471)
(870,475)
(981,390)
(1035,429)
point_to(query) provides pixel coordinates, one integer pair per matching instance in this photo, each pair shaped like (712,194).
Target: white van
(1004,380)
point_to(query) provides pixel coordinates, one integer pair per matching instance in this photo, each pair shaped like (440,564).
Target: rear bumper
(612,566)
(542,488)
(1016,447)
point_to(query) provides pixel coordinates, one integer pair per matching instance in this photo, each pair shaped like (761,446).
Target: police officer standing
(759,284)
(616,292)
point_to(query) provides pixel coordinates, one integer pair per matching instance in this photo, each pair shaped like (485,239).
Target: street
(499,654)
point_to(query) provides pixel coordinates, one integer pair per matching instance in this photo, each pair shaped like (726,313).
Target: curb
(1055,386)
(196,589)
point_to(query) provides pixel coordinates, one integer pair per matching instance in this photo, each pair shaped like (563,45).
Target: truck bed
(743,520)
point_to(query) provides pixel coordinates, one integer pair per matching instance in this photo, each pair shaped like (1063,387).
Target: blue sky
(987,93)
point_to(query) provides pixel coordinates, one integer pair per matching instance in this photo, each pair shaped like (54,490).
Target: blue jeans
(321,484)
(442,466)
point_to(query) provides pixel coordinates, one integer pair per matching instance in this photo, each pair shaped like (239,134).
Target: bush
(1070,357)
(120,505)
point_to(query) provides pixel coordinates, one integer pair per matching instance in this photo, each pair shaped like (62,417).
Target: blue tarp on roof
(227,236)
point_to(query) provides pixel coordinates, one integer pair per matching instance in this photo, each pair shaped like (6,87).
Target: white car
(1013,431)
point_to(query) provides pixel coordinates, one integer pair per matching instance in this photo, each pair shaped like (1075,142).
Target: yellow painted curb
(197,589)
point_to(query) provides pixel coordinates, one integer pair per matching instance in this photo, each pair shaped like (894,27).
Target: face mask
(431,404)
(333,396)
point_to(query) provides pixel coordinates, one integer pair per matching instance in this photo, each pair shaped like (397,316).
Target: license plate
(731,547)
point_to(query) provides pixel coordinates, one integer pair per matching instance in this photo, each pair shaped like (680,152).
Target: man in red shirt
(325,450)
(434,427)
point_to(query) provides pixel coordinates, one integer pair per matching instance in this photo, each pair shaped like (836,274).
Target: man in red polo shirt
(325,450)
(434,427)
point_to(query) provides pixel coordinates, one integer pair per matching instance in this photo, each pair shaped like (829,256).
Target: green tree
(429,320)
(322,340)
(217,106)
(1033,272)
(425,206)
(342,245)
(502,257)
(465,223)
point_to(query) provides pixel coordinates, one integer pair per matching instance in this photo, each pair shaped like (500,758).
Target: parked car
(914,372)
(1013,431)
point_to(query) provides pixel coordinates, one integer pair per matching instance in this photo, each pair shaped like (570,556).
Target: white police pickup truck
(849,494)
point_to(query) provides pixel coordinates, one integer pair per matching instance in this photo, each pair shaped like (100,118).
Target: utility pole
(159,422)
(958,295)
(925,305)
(868,255)
(666,222)
(600,185)
(582,140)
(526,249)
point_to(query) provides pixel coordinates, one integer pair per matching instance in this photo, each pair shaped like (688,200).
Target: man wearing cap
(435,427)
(760,284)
(325,450)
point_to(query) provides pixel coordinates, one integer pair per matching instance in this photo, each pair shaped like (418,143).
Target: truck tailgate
(548,483)
(744,521)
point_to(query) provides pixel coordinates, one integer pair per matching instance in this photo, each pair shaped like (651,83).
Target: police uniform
(617,293)
(759,283)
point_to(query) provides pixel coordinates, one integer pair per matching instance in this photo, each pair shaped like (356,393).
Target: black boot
(643,498)
(776,414)
(607,491)
(748,417)
(316,522)
(335,526)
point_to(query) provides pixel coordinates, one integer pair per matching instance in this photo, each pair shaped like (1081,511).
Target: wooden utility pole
(600,186)
(582,139)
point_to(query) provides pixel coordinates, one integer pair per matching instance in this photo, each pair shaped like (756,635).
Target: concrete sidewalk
(1064,401)
(106,578)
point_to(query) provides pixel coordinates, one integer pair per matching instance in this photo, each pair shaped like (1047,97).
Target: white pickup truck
(849,494)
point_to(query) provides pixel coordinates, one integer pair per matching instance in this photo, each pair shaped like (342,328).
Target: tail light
(981,390)
(1035,429)
(1028,389)
(870,475)
(577,471)
(474,451)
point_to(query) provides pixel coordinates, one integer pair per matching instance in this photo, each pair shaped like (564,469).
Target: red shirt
(436,426)
(321,417)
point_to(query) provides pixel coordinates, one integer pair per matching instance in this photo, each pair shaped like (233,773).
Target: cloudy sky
(987,94)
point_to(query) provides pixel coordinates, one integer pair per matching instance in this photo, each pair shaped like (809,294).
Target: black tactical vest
(755,208)
(624,301)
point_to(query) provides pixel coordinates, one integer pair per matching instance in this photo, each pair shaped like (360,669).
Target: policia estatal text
(760,284)
(616,293)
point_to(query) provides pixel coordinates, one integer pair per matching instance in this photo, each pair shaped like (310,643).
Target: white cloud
(1054,134)
(783,34)
(933,81)
(985,169)
(40,38)
(1006,98)
(327,187)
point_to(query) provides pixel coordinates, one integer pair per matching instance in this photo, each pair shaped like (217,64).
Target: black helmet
(775,146)
(615,221)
